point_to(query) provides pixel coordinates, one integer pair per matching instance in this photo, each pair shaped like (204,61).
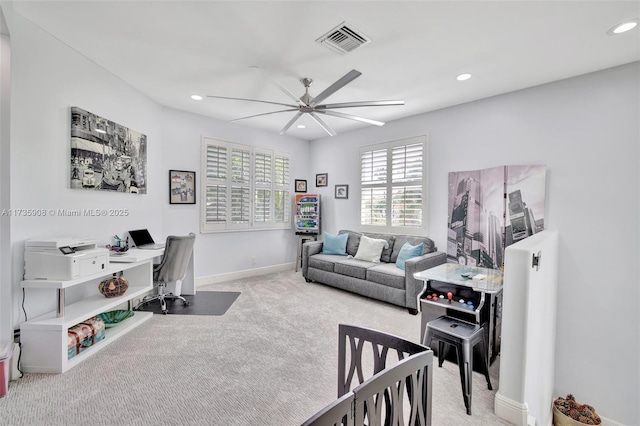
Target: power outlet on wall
(253,261)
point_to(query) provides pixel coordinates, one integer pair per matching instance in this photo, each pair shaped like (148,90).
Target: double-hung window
(244,187)
(393,186)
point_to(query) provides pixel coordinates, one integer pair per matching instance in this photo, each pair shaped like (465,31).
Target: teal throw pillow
(334,244)
(407,252)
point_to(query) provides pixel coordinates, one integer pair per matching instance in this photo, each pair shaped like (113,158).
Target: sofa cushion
(370,249)
(387,274)
(429,246)
(352,268)
(334,244)
(390,239)
(353,241)
(407,252)
(324,262)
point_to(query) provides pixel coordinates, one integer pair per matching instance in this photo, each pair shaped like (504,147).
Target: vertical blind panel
(282,171)
(373,207)
(262,169)
(407,163)
(240,165)
(216,204)
(240,204)
(262,206)
(216,162)
(282,206)
(406,206)
(374,166)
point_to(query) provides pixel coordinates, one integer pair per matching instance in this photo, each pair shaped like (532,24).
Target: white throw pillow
(370,249)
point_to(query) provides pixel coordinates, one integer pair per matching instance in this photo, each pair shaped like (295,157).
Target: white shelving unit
(44,338)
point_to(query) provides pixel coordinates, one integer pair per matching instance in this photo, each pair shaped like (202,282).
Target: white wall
(586,131)
(47,79)
(6,329)
(224,253)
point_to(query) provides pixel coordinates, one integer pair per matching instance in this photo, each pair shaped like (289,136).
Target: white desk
(139,255)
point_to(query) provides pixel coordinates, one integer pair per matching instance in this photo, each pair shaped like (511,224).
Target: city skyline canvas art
(490,209)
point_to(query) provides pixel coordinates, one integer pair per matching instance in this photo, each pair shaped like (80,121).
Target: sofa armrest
(309,249)
(414,287)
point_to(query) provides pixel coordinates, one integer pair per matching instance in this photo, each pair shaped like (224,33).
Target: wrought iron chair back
(381,399)
(396,396)
(380,343)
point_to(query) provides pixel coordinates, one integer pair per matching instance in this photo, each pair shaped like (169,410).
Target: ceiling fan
(307,104)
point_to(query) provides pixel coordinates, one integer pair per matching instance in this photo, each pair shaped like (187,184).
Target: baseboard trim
(510,410)
(609,422)
(247,273)
(518,414)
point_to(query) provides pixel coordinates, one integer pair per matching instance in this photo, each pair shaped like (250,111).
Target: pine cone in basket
(583,413)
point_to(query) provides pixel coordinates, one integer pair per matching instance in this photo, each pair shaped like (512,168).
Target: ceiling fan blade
(290,123)
(359,104)
(252,100)
(352,117)
(265,113)
(343,81)
(322,124)
(281,87)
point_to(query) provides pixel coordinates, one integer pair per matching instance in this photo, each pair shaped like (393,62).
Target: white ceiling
(170,50)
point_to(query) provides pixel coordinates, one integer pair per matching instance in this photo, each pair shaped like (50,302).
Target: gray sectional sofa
(382,281)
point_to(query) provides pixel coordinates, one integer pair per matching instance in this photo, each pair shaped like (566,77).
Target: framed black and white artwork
(105,155)
(182,187)
(301,185)
(342,191)
(322,179)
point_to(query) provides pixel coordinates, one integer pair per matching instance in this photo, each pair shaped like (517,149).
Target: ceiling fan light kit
(307,104)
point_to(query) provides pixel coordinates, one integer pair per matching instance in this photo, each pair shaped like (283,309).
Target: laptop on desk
(143,240)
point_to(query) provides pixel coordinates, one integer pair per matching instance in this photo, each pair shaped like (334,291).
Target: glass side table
(483,288)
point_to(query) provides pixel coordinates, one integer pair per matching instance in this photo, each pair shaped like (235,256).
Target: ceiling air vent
(343,39)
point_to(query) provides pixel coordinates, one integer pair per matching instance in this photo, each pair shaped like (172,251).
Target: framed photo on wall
(105,155)
(301,185)
(342,191)
(182,187)
(322,179)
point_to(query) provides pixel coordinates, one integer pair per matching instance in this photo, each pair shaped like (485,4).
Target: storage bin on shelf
(84,335)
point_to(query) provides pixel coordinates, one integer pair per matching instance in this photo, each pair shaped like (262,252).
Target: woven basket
(114,286)
(560,419)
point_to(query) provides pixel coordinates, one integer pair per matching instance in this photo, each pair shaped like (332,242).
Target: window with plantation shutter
(281,189)
(263,171)
(393,186)
(244,187)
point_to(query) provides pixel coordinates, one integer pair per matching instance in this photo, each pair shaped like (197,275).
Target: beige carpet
(270,360)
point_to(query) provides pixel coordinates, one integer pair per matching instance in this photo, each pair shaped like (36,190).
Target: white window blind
(244,187)
(393,186)
(281,189)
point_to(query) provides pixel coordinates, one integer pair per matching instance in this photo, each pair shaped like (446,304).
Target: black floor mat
(202,303)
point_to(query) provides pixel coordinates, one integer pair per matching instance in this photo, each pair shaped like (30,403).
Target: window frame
(389,185)
(273,186)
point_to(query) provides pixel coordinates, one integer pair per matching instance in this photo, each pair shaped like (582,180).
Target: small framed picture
(301,185)
(182,187)
(342,191)
(321,179)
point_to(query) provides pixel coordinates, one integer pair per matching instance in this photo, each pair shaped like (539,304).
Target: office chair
(172,267)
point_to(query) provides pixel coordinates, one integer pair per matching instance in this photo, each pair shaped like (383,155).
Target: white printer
(63,258)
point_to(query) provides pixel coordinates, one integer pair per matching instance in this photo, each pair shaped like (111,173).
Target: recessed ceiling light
(463,77)
(301,126)
(623,27)
(196,97)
